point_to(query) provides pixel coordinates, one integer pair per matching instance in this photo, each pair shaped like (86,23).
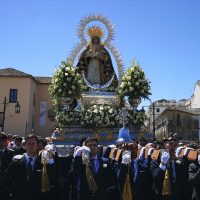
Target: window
(157,110)
(178,120)
(13,96)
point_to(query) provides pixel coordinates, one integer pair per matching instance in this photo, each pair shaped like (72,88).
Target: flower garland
(100,115)
(134,83)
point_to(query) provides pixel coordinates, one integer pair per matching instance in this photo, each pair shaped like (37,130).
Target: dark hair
(167,142)
(82,141)
(3,136)
(42,140)
(18,138)
(193,145)
(32,136)
(90,139)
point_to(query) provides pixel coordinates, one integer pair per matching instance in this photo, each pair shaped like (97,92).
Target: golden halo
(95,31)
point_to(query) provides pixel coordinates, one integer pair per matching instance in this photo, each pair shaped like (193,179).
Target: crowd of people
(33,168)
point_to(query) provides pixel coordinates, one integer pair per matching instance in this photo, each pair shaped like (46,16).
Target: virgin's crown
(95,31)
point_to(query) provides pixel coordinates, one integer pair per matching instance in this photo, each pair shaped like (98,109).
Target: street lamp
(17,110)
(17,107)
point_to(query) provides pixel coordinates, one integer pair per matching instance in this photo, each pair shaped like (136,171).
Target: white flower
(73,87)
(129,83)
(95,111)
(56,80)
(65,84)
(131,88)
(73,69)
(137,83)
(66,74)
(67,68)
(101,108)
(101,113)
(128,78)
(110,111)
(60,90)
(69,92)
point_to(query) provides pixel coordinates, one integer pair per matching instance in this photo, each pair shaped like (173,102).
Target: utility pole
(4,111)
(154,127)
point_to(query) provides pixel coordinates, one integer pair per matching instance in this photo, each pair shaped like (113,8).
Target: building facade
(35,103)
(178,120)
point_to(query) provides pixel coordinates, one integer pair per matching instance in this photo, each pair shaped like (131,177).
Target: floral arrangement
(100,115)
(134,83)
(68,117)
(136,117)
(66,82)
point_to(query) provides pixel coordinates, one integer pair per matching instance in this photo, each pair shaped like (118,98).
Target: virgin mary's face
(95,40)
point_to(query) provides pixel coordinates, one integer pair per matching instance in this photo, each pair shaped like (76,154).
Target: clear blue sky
(163,35)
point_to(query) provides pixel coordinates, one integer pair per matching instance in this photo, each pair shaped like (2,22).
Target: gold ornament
(103,134)
(166,184)
(127,192)
(45,179)
(90,179)
(95,31)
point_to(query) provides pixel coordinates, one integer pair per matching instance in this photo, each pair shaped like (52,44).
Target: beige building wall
(16,123)
(45,128)
(27,121)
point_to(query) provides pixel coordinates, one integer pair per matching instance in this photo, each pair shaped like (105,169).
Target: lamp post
(153,116)
(17,110)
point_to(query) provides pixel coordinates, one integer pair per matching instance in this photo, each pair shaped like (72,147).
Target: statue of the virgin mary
(95,61)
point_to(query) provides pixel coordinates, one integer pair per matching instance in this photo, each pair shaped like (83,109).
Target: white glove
(49,147)
(165,157)
(79,150)
(126,158)
(142,152)
(199,158)
(150,151)
(187,150)
(178,151)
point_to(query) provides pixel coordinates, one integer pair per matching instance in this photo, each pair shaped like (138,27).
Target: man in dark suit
(24,174)
(92,183)
(136,168)
(6,156)
(18,149)
(167,173)
(194,178)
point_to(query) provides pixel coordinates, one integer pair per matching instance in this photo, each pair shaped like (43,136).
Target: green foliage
(66,82)
(134,83)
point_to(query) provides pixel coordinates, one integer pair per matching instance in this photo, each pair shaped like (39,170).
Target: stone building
(35,103)
(179,120)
